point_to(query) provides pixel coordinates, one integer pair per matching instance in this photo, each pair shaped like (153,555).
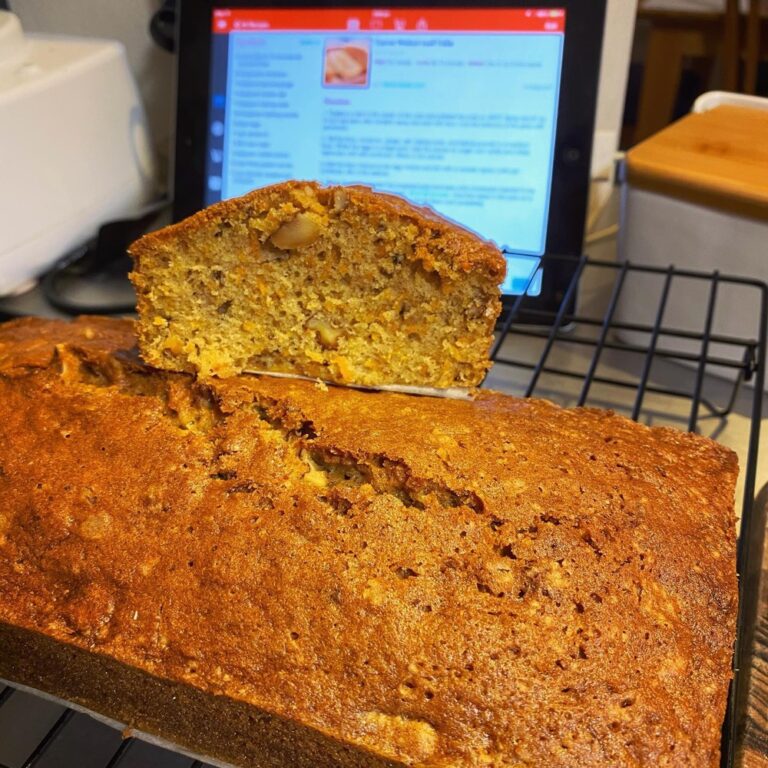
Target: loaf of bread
(274,573)
(336,283)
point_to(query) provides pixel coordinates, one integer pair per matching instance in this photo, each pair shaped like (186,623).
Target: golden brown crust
(466,251)
(439,583)
(158,705)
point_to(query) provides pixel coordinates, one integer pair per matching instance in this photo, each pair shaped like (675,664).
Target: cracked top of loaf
(438,583)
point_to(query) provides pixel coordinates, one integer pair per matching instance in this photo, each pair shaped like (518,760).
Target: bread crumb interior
(333,291)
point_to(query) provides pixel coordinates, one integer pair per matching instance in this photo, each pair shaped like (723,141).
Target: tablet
(486,114)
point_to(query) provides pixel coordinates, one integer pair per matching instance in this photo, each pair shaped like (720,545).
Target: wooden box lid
(717,158)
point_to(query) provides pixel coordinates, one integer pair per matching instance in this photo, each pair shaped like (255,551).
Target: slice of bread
(337,283)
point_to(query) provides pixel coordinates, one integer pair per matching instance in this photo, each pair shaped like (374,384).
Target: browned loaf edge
(271,574)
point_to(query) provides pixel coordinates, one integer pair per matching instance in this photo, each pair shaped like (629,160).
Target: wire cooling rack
(644,349)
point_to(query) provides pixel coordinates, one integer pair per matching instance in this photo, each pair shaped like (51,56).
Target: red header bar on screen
(226,20)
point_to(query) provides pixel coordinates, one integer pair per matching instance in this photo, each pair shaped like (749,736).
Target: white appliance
(74,147)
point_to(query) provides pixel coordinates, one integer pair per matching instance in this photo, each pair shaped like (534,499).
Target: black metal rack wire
(613,353)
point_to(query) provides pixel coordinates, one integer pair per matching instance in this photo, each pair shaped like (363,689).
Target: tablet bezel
(573,140)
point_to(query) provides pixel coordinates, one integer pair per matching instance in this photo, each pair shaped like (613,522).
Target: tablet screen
(455,108)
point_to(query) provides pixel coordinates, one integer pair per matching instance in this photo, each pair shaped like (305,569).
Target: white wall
(614,70)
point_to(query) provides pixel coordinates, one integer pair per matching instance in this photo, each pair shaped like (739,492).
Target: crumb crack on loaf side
(330,465)
(337,283)
(189,404)
(194,406)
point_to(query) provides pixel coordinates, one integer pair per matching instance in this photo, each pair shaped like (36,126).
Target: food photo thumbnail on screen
(346,63)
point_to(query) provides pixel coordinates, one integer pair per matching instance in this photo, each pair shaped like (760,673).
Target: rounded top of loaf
(442,245)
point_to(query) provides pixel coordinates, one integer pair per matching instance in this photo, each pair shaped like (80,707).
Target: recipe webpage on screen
(454,108)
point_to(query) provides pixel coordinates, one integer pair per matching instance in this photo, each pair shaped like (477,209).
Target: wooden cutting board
(718,159)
